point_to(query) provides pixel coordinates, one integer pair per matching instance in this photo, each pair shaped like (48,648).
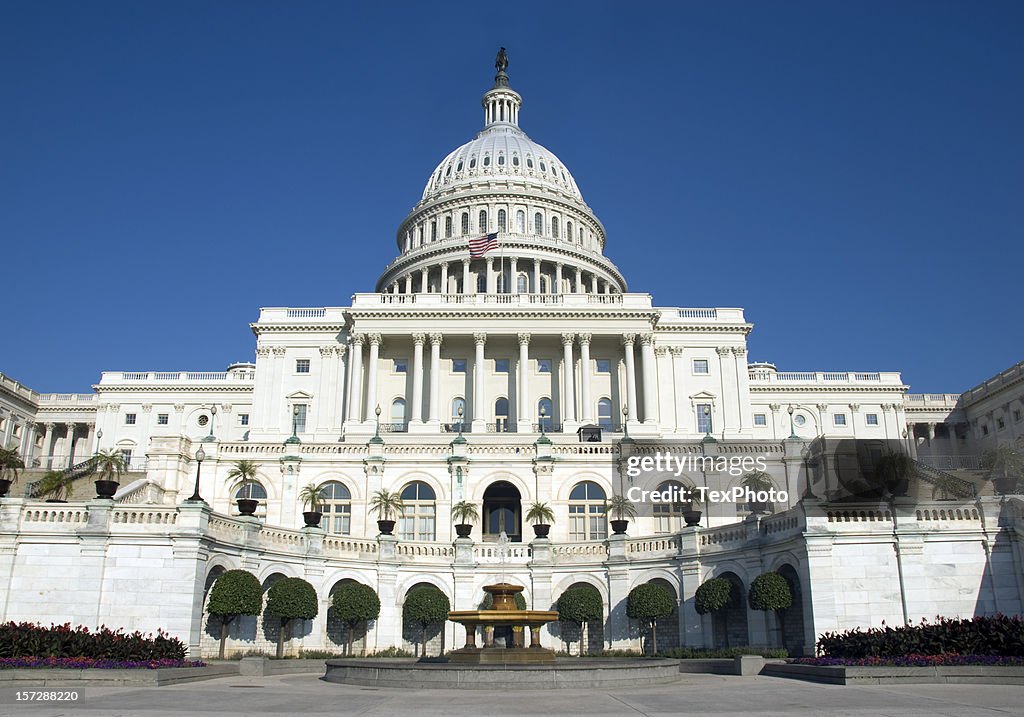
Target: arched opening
(503,512)
(587,516)
(592,632)
(482,221)
(465,223)
(270,625)
(398,423)
(604,414)
(521,221)
(729,625)
(545,420)
(792,618)
(522,284)
(418,519)
(336,506)
(338,631)
(501,415)
(501,212)
(414,635)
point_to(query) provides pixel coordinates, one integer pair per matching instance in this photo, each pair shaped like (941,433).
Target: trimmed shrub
(424,606)
(27,639)
(291,599)
(714,594)
(649,602)
(992,635)
(234,593)
(580,605)
(770,591)
(354,603)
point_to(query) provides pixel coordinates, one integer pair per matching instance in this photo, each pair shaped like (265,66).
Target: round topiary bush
(291,599)
(235,593)
(770,591)
(579,606)
(424,606)
(354,603)
(649,602)
(714,594)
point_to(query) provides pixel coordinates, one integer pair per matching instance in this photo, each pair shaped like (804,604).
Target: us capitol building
(503,376)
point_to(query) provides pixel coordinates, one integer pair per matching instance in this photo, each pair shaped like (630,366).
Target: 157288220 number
(46,696)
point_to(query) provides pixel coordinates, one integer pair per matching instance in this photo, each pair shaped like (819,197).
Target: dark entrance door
(502,512)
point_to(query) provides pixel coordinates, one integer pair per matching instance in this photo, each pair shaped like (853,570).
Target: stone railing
(931,400)
(625,301)
(53,516)
(488,553)
(1011,375)
(579,553)
(17,388)
(653,547)
(761,375)
(163,377)
(63,399)
(144,518)
(427,552)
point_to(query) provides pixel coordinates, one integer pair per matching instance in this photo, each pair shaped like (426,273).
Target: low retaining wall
(855,675)
(63,677)
(588,673)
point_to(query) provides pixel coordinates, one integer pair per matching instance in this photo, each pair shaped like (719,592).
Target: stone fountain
(503,613)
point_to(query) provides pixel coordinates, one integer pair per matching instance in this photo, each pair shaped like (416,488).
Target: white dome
(502,151)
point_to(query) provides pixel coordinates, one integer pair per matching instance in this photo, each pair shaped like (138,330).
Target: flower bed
(81,663)
(982,635)
(943,660)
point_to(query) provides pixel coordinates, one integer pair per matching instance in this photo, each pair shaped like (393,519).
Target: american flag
(481,245)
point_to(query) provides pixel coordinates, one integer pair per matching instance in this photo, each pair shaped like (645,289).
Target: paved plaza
(693,694)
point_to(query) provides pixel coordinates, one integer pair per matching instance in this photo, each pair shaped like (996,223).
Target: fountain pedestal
(504,613)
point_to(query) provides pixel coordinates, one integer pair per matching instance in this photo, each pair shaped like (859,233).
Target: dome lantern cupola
(501,103)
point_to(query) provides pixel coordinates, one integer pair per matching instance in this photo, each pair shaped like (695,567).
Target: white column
(371,376)
(627,345)
(324,400)
(568,381)
(514,278)
(725,375)
(466,288)
(416,414)
(69,443)
(593,283)
(355,383)
(479,339)
(678,389)
(746,417)
(444,277)
(578,289)
(491,279)
(525,411)
(587,410)
(28,443)
(650,378)
(408,283)
(433,413)
(338,391)
(424,279)
(558,278)
(536,276)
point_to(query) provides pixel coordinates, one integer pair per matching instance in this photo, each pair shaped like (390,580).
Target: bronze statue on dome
(501,62)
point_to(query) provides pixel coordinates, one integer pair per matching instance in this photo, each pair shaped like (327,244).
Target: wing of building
(502,360)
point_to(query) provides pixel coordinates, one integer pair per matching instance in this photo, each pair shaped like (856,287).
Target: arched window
(420,240)
(481,283)
(501,415)
(538,224)
(458,411)
(336,505)
(568,231)
(433,231)
(544,407)
(398,414)
(501,160)
(482,221)
(545,284)
(459,168)
(253,491)
(668,516)
(543,167)
(522,284)
(587,512)
(554,227)
(529,162)
(417,520)
(501,220)
(521,221)
(465,223)
(447,227)
(472,162)
(487,160)
(515,160)
(604,414)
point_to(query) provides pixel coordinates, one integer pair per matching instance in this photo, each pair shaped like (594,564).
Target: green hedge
(292,599)
(236,592)
(27,639)
(770,591)
(996,635)
(713,595)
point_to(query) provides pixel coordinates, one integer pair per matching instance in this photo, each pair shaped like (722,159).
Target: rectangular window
(839,419)
(704,418)
(603,365)
(161,419)
(700,366)
(401,365)
(984,430)
(243,419)
(301,365)
(458,365)
(1017,415)
(129,419)
(1000,424)
(500,365)
(299,416)
(543,365)
(760,419)
(871,419)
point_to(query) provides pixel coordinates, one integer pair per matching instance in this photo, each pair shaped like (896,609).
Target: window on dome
(501,220)
(529,162)
(554,227)
(459,168)
(487,160)
(538,223)
(523,284)
(521,222)
(417,518)
(543,167)
(563,176)
(501,160)
(447,227)
(465,223)
(515,160)
(448,172)
(581,235)
(472,163)
(482,221)
(433,231)
(568,231)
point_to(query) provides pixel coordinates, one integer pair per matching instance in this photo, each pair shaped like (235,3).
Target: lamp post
(792,427)
(543,413)
(460,412)
(708,438)
(376,412)
(213,415)
(625,422)
(195,497)
(99,438)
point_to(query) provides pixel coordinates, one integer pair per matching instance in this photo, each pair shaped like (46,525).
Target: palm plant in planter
(691,513)
(245,473)
(312,498)
(54,487)
(541,516)
(623,509)
(10,464)
(466,513)
(1005,468)
(387,506)
(893,472)
(108,464)
(758,482)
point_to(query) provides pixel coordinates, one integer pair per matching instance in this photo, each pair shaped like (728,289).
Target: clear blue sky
(852,173)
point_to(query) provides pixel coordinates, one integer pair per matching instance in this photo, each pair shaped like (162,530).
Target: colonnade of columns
(501,276)
(62,444)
